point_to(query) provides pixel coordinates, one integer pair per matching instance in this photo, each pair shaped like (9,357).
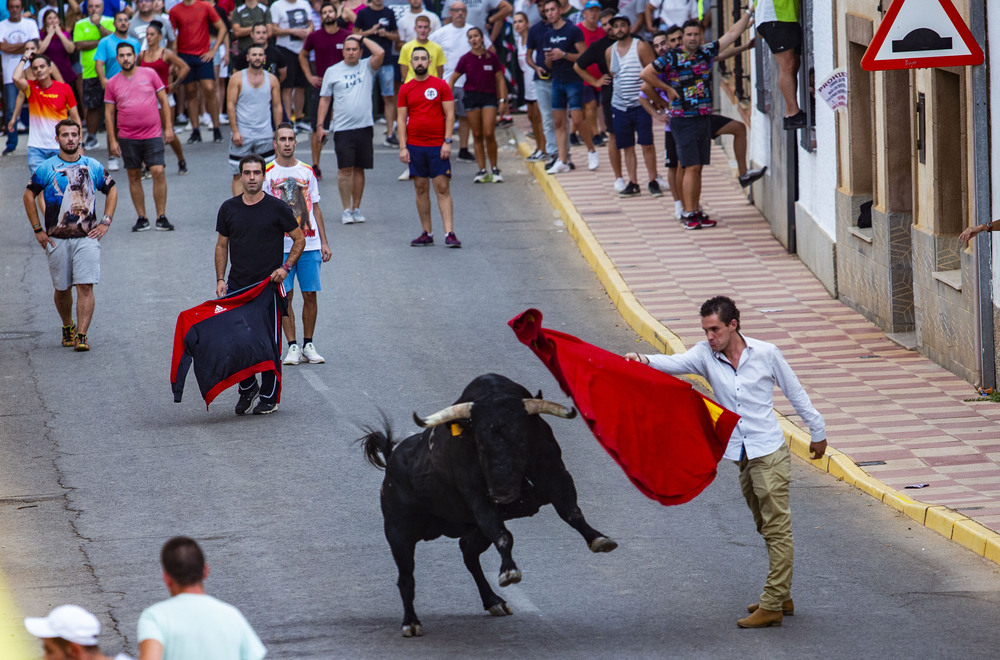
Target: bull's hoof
(603,544)
(413,630)
(509,577)
(500,609)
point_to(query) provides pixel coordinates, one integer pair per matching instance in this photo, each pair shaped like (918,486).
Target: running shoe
(9,151)
(391,141)
(450,240)
(356,214)
(69,334)
(691,221)
(620,184)
(631,190)
(162,224)
(265,407)
(706,221)
(795,122)
(81,344)
(464,155)
(309,354)
(574,140)
(422,240)
(182,167)
(318,172)
(536,155)
(293,356)
(223,118)
(195,136)
(347,217)
(303,127)
(551,161)
(654,189)
(246,399)
(678,210)
(217,135)
(505,121)
(593,160)
(146,173)
(405,176)
(558,168)
(90,142)
(481,177)
(114,164)
(141,224)
(206,119)
(748,177)
(598,140)
(496,177)
(663,183)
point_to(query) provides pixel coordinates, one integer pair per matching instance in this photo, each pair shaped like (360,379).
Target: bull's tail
(378,443)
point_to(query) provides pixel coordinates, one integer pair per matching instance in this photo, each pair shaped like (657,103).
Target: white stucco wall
(993,61)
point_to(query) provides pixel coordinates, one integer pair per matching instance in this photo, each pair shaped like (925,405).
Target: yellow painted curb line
(15,642)
(950,524)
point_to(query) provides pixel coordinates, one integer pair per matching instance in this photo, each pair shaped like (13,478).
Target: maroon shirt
(480,71)
(60,58)
(328,48)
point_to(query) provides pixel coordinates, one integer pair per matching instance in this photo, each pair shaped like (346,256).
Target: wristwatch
(447,140)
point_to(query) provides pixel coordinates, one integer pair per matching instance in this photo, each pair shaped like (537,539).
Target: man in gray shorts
(71,235)
(254,101)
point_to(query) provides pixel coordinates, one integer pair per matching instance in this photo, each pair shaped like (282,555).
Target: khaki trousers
(764,481)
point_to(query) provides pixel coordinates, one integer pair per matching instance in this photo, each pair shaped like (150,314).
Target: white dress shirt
(748,391)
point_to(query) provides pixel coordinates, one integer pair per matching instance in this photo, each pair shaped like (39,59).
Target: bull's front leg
(490,522)
(561,491)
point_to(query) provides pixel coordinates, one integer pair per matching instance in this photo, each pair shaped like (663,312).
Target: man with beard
(254,101)
(71,235)
(426,120)
(294,182)
(130,99)
(49,101)
(274,63)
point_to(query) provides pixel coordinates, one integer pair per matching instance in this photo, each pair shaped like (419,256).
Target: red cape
(665,435)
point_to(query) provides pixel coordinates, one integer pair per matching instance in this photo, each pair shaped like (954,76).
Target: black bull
(488,458)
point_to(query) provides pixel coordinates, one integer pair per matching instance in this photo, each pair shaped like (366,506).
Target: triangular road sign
(918,34)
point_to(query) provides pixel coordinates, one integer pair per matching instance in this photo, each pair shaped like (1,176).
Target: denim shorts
(36,155)
(306,269)
(567,94)
(386,77)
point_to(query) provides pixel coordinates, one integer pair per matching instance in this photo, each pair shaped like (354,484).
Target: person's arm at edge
(276,99)
(151,649)
(402,112)
(739,27)
(449,126)
(165,115)
(232,95)
(20,79)
(789,384)
(324,247)
(221,258)
(377,53)
(496,21)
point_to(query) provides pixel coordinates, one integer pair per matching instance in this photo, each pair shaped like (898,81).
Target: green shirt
(86,31)
(784,11)
(246,17)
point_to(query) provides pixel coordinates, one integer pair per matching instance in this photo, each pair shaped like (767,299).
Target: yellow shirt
(435,51)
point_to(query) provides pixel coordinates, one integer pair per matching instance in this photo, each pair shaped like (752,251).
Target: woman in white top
(531,100)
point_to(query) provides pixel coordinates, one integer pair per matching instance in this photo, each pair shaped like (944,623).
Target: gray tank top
(626,70)
(253,109)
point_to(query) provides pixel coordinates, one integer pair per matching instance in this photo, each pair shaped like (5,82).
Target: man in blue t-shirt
(543,86)
(562,44)
(378,23)
(688,85)
(106,55)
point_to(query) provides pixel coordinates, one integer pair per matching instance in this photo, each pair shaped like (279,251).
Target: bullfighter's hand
(817,449)
(635,357)
(279,275)
(220,288)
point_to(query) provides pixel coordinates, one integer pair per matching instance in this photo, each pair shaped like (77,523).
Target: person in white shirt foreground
(69,632)
(742,372)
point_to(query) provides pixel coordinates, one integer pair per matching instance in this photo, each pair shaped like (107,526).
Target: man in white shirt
(406,24)
(68,632)
(742,372)
(488,15)
(663,14)
(292,23)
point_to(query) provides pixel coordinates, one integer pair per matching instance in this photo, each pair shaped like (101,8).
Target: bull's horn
(449,414)
(543,407)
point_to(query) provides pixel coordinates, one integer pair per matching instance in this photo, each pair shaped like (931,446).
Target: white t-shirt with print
(291,16)
(351,89)
(297,187)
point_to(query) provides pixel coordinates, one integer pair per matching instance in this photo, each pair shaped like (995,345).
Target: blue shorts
(36,155)
(630,122)
(386,77)
(307,270)
(199,70)
(567,94)
(426,163)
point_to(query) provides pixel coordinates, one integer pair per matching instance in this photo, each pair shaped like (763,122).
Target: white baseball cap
(69,622)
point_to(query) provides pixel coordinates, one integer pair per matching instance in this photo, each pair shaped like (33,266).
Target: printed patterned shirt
(690,75)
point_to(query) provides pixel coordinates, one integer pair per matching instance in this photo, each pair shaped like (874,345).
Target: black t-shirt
(369,18)
(596,54)
(273,60)
(256,237)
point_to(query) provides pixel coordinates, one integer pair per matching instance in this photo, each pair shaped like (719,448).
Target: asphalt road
(100,466)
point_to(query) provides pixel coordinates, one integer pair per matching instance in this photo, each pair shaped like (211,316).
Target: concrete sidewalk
(895,420)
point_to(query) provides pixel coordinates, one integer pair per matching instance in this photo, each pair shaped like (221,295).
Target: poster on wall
(833,90)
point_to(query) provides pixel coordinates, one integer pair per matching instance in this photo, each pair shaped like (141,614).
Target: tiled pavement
(880,401)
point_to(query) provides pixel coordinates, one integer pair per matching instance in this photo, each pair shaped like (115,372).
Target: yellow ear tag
(456,429)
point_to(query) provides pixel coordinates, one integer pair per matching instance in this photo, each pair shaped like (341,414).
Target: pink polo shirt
(135,99)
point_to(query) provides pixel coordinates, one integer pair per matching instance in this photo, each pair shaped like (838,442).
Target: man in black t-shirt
(274,62)
(378,23)
(252,229)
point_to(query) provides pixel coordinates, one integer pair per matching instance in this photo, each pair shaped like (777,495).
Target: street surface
(100,466)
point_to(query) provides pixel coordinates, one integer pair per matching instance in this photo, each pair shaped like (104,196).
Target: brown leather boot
(787,608)
(761,618)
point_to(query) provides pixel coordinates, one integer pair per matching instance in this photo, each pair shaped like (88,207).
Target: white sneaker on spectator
(678,209)
(113,164)
(223,118)
(356,214)
(347,217)
(620,184)
(293,356)
(664,185)
(593,161)
(558,167)
(310,355)
(405,176)
(205,120)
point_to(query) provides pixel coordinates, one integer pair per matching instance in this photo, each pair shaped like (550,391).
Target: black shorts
(478,100)
(314,110)
(354,148)
(93,94)
(781,36)
(294,76)
(694,139)
(136,152)
(718,123)
(670,149)
(606,92)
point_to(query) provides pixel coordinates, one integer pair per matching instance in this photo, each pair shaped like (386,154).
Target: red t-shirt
(480,71)
(192,26)
(425,111)
(46,108)
(589,38)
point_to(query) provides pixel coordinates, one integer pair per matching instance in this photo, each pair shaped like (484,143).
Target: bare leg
(211,100)
(317,147)
(475,118)
(288,322)
(175,144)
(358,187)
(84,307)
(299,100)
(562,134)
(136,191)
(64,305)
(739,132)
(674,179)
(442,187)
(308,313)
(159,189)
(692,187)
(345,181)
(489,132)
(583,127)
(191,91)
(463,133)
(615,156)
(788,80)
(286,102)
(649,156)
(390,113)
(535,117)
(237,185)
(422,186)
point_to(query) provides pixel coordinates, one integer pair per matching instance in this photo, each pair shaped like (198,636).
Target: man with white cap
(69,632)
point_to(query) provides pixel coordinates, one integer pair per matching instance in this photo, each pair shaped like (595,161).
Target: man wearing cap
(69,632)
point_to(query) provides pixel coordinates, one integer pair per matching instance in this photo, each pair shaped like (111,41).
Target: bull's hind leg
(402,551)
(562,494)
(474,544)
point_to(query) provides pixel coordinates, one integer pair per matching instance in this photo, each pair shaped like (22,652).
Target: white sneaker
(620,184)
(356,214)
(664,185)
(593,160)
(347,217)
(678,209)
(558,167)
(206,120)
(113,164)
(310,355)
(294,355)
(223,118)
(405,176)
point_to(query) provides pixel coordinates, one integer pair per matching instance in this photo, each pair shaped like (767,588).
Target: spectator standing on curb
(254,99)
(87,34)
(191,625)
(592,31)
(529,97)
(165,61)
(327,45)
(535,58)
(294,182)
(15,32)
(135,101)
(71,235)
(348,86)
(252,229)
(596,55)
(778,22)
(378,23)
(485,97)
(292,25)
(69,632)
(742,373)
(49,102)
(191,20)
(426,120)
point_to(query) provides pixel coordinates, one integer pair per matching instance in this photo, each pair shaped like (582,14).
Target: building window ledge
(952,278)
(863,233)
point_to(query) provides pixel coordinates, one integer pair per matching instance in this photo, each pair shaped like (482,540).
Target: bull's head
(502,428)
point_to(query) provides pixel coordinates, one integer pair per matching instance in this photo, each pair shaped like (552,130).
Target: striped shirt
(626,69)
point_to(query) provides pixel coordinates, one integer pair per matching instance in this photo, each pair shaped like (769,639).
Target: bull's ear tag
(456,429)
